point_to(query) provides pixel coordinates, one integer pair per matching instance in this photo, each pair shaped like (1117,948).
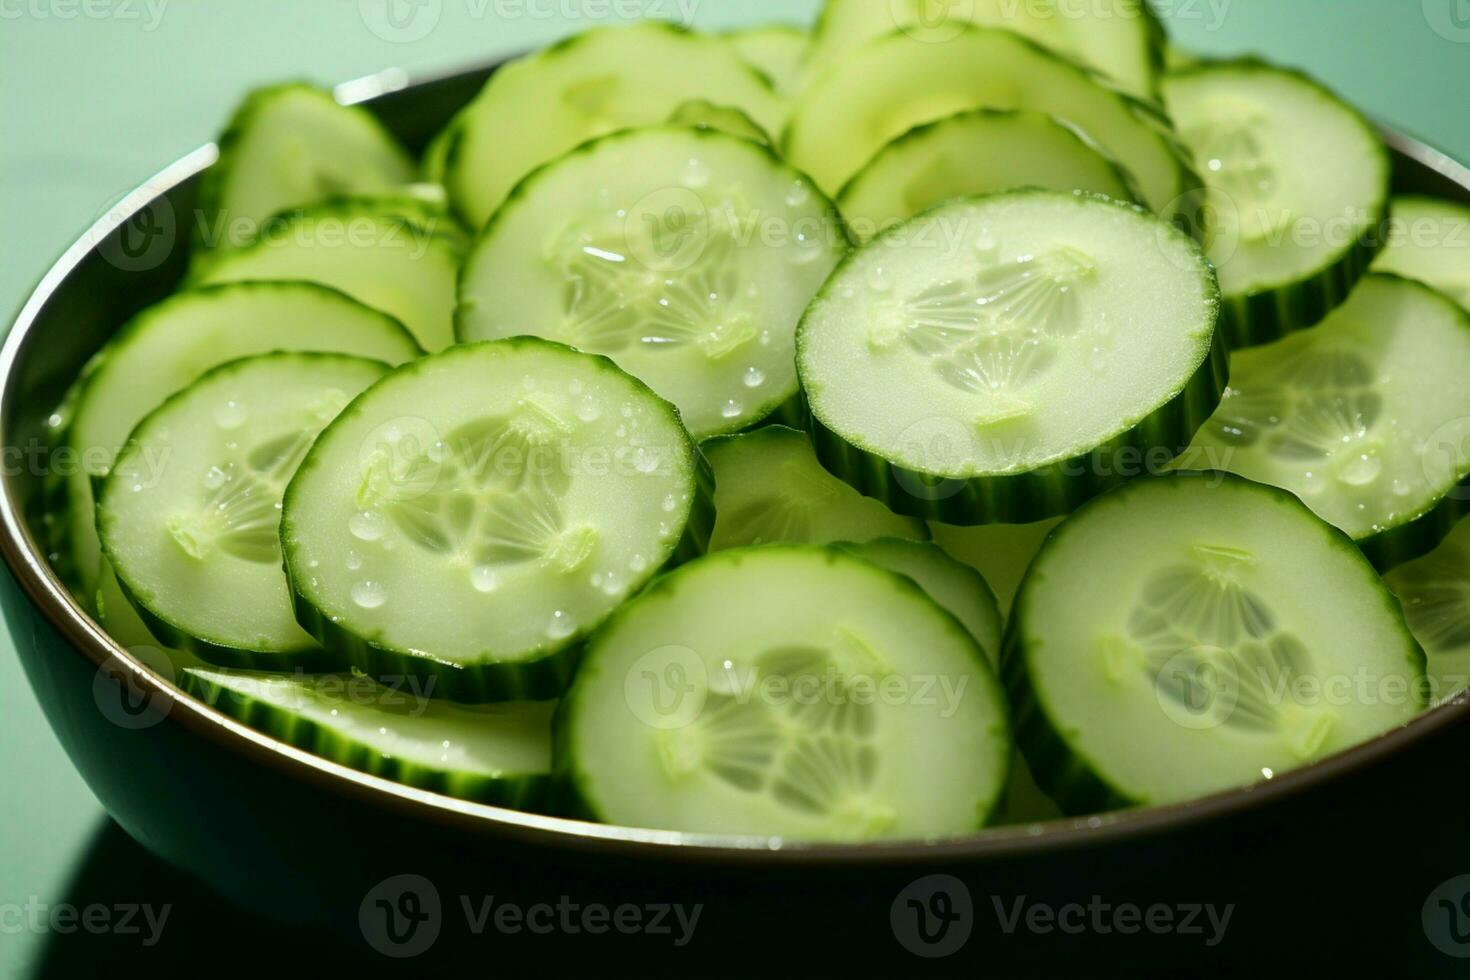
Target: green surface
(97,98)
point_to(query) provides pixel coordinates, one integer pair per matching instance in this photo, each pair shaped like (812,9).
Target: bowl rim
(44,590)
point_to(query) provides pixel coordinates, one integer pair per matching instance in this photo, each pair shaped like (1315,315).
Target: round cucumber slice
(1429,240)
(1435,593)
(166,347)
(958,588)
(978,152)
(1194,632)
(687,256)
(1120,38)
(1297,191)
(498,753)
(474,515)
(289,146)
(770,489)
(189,516)
(777,51)
(857,106)
(786,691)
(388,262)
(1001,553)
(1002,359)
(1366,417)
(541,107)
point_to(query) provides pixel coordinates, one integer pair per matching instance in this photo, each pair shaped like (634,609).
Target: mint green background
(95,98)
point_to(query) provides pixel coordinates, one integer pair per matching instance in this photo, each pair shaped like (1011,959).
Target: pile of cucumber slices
(880,432)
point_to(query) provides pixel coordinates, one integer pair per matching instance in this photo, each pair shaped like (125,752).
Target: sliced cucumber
(289,146)
(525,487)
(1435,593)
(958,588)
(168,346)
(769,489)
(1366,417)
(1297,191)
(1195,632)
(1120,38)
(703,114)
(1002,359)
(388,262)
(498,754)
(189,516)
(976,152)
(424,204)
(1429,240)
(786,691)
(777,51)
(856,107)
(539,108)
(685,255)
(435,162)
(1001,553)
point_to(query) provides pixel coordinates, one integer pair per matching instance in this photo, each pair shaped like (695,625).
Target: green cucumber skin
(542,679)
(518,792)
(1389,549)
(1052,491)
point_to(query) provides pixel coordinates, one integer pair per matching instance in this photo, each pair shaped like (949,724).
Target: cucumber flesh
(1001,553)
(777,51)
(289,146)
(539,108)
(528,487)
(1429,240)
(773,728)
(1050,348)
(770,489)
(384,261)
(166,347)
(1195,632)
(1363,417)
(1119,38)
(1435,593)
(978,152)
(1297,189)
(703,114)
(856,107)
(498,754)
(189,515)
(687,256)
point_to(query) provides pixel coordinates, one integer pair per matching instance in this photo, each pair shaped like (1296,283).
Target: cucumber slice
(808,703)
(1001,553)
(1435,593)
(388,262)
(855,108)
(476,513)
(769,489)
(426,205)
(289,146)
(978,152)
(1195,632)
(703,114)
(435,162)
(958,588)
(685,255)
(1002,359)
(498,754)
(1366,417)
(1429,240)
(189,515)
(540,108)
(1297,191)
(166,347)
(1120,38)
(777,51)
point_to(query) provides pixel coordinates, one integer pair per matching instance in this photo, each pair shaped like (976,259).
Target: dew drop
(696,173)
(638,564)
(365,526)
(485,579)
(731,410)
(561,626)
(575,388)
(879,280)
(588,410)
(645,461)
(612,584)
(215,478)
(798,194)
(754,377)
(671,503)
(230,415)
(369,594)
(986,244)
(354,561)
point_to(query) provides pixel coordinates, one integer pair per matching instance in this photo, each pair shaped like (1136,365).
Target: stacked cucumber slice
(778,434)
